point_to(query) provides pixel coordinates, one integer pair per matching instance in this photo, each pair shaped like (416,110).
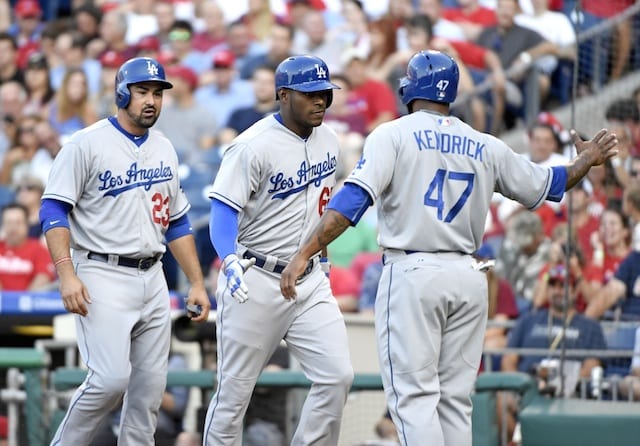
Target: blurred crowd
(57,67)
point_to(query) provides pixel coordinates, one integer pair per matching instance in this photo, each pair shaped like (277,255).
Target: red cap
(149,43)
(28,8)
(223,59)
(184,73)
(112,59)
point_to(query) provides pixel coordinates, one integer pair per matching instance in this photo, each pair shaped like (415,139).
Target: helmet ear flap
(123,95)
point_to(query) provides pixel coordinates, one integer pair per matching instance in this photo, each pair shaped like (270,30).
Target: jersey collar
(138,140)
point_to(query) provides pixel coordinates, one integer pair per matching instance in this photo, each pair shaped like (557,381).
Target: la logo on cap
(320,72)
(152,69)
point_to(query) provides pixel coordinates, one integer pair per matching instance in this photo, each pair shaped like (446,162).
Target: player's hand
(198,296)
(291,274)
(599,148)
(234,269)
(75,296)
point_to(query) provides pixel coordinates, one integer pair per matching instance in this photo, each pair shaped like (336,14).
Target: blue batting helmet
(305,74)
(134,71)
(431,75)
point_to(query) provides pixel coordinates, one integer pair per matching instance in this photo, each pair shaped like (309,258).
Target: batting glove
(325,266)
(234,269)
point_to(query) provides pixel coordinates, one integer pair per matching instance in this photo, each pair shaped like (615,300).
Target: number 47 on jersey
(435,193)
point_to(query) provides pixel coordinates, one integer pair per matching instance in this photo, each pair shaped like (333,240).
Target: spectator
(621,164)
(471,16)
(313,38)
(24,262)
(279,48)
(71,48)
(180,40)
(106,104)
(9,70)
(260,20)
(28,194)
(188,125)
(634,171)
(622,292)
(241,44)
(585,224)
(518,48)
(71,109)
(28,25)
(353,32)
(228,92)
(214,34)
(165,16)
(522,256)
(113,29)
(38,85)
(26,156)
(555,27)
(626,111)
(441,26)
(369,287)
(545,329)
(375,99)
(13,99)
(86,20)
(241,119)
(141,20)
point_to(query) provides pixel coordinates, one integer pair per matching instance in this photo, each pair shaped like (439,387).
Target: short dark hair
(421,21)
(622,110)
(15,205)
(8,37)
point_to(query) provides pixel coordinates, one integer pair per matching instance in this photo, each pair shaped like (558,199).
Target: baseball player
(113,197)
(433,177)
(272,187)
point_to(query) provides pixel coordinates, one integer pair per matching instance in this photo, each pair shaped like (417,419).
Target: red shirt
(481,16)
(606,8)
(471,54)
(373,98)
(343,282)
(20,265)
(602,274)
(583,234)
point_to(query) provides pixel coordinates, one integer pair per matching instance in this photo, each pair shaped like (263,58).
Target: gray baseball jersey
(281,184)
(123,198)
(433,177)
(281,193)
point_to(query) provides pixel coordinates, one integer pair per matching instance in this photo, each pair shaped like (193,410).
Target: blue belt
(278,267)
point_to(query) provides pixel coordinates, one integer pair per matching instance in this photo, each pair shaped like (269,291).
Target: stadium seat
(619,338)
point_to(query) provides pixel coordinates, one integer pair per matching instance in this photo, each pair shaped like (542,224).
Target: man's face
(305,109)
(280,41)
(7,53)
(145,104)
(555,292)
(542,143)
(14,226)
(263,81)
(506,10)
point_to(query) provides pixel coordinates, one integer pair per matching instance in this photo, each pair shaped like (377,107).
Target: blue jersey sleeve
(558,184)
(178,228)
(223,228)
(53,214)
(352,201)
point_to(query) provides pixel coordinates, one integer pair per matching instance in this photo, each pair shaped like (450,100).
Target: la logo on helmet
(320,72)
(152,69)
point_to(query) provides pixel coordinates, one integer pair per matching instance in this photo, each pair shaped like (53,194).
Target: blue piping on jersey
(138,140)
(220,323)
(395,392)
(278,117)
(544,194)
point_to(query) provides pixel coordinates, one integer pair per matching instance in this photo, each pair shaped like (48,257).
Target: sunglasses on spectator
(180,35)
(29,187)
